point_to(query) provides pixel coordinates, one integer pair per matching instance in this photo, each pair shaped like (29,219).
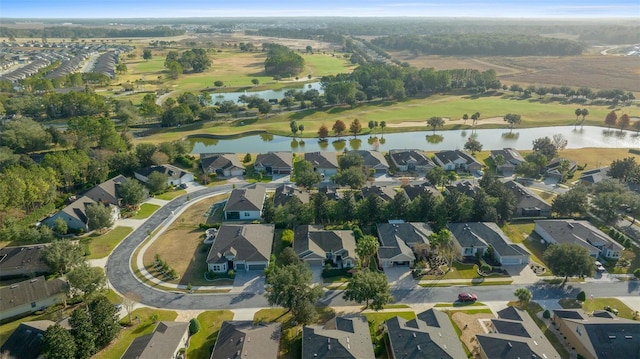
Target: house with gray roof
(273,163)
(26,341)
(597,335)
(583,233)
(465,187)
(107,192)
(514,335)
(554,168)
(454,160)
(222,164)
(372,160)
(410,160)
(31,295)
(166,341)
(429,335)
(317,246)
(594,176)
(385,193)
(528,203)
(325,163)
(414,191)
(241,247)
(399,241)
(245,204)
(511,157)
(22,261)
(286,192)
(243,338)
(75,215)
(476,237)
(175,176)
(345,337)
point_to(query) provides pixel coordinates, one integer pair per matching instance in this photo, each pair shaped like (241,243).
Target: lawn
(146,210)
(459,271)
(628,255)
(534,308)
(201,343)
(142,326)
(598,304)
(376,320)
(168,196)
(101,246)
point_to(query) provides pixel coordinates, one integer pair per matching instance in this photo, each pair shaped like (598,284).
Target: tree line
(88,32)
(282,61)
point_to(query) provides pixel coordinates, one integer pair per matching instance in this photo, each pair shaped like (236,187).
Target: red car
(467,297)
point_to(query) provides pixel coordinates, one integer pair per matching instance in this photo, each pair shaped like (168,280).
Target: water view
(266,94)
(491,139)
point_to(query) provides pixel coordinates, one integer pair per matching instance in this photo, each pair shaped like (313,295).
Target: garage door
(401,263)
(239,266)
(256,266)
(315,262)
(511,261)
(233,215)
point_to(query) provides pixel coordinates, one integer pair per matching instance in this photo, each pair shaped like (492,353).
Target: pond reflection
(355,143)
(511,135)
(434,139)
(266,137)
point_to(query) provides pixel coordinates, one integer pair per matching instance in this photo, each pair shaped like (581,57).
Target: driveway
(400,277)
(249,282)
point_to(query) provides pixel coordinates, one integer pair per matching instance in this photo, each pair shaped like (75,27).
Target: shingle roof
(172,171)
(250,341)
(285,192)
(211,162)
(342,337)
(466,187)
(29,291)
(449,156)
(371,158)
(246,199)
(416,190)
(395,238)
(476,233)
(510,155)
(405,157)
(274,159)
(525,198)
(78,208)
(26,341)
(107,192)
(23,259)
(578,232)
(248,242)
(596,175)
(312,241)
(386,193)
(322,159)
(162,343)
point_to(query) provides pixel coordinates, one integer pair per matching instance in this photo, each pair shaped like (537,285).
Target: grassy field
(201,343)
(598,304)
(522,232)
(144,325)
(458,271)
(101,245)
(168,196)
(146,210)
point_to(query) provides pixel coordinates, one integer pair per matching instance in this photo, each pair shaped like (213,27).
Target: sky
(298,8)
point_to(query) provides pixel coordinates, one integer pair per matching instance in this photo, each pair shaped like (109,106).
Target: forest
(83,32)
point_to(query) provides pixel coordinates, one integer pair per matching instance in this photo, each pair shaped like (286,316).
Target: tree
(366,247)
(582,296)
(568,259)
(355,127)
(339,127)
(83,333)
(144,152)
(442,241)
(436,176)
(60,226)
(86,279)
(121,68)
(571,202)
(371,288)
(104,320)
(194,326)
(131,192)
(545,146)
(350,160)
(611,119)
(309,49)
(472,145)
(147,54)
(383,124)
(524,296)
(584,112)
(129,301)
(158,182)
(301,128)
(24,135)
(626,170)
(559,141)
(624,121)
(352,177)
(512,119)
(323,132)
(62,255)
(290,286)
(57,343)
(465,118)
(435,122)
(288,256)
(475,118)
(255,82)
(98,216)
(578,112)
(294,127)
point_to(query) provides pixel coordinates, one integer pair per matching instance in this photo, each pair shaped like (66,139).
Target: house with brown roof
(385,193)
(31,295)
(372,160)
(241,247)
(317,246)
(22,261)
(245,204)
(244,339)
(410,160)
(222,164)
(528,203)
(274,163)
(107,191)
(175,176)
(398,241)
(166,342)
(323,162)
(346,337)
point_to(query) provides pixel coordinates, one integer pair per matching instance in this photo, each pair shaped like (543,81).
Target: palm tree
(383,124)
(435,122)
(465,117)
(584,112)
(578,112)
(475,117)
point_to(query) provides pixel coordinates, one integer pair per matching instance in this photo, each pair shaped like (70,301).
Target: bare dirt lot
(470,326)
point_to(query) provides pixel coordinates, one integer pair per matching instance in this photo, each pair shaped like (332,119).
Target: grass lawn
(101,246)
(146,210)
(168,196)
(113,297)
(534,308)
(458,271)
(201,343)
(144,325)
(459,304)
(375,327)
(598,304)
(628,255)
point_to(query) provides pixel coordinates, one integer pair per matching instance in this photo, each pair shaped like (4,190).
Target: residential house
(324,163)
(372,160)
(385,193)
(176,176)
(243,338)
(554,168)
(241,247)
(416,190)
(430,335)
(245,204)
(286,192)
(455,160)
(107,192)
(22,261)
(26,341)
(75,215)
(222,164)
(317,246)
(31,295)
(274,163)
(528,204)
(514,335)
(346,337)
(511,157)
(410,161)
(165,342)
(600,335)
(594,176)
(476,237)
(465,187)
(330,191)
(583,233)
(399,241)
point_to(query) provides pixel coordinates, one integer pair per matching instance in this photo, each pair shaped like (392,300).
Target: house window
(216,268)
(247,214)
(468,251)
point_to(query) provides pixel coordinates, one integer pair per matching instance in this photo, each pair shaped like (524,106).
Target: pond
(266,94)
(491,139)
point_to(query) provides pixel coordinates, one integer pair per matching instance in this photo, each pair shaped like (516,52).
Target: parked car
(612,310)
(467,297)
(600,268)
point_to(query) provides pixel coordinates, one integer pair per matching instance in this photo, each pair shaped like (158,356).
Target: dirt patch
(470,325)
(448,121)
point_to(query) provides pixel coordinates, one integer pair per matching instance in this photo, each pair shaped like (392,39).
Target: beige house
(31,295)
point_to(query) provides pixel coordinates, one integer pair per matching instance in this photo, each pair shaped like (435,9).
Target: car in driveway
(467,297)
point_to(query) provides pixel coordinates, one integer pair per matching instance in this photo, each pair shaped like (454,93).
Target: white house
(176,176)
(245,204)
(30,296)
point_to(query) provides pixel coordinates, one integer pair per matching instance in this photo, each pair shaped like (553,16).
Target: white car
(600,268)
(598,264)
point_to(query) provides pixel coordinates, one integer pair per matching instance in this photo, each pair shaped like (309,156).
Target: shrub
(486,268)
(247,158)
(582,296)
(287,237)
(194,326)
(636,273)
(546,314)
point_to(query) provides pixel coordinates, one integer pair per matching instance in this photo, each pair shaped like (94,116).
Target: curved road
(124,281)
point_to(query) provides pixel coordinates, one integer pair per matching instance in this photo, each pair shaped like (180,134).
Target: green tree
(147,54)
(524,296)
(218,83)
(355,128)
(352,177)
(194,326)
(545,146)
(571,202)
(287,257)
(436,176)
(578,112)
(158,182)
(104,320)
(568,260)
(584,114)
(442,241)
(371,288)
(57,343)
(24,135)
(435,122)
(626,170)
(86,279)
(512,119)
(83,333)
(144,152)
(60,226)
(98,216)
(367,247)
(62,255)
(255,82)
(472,145)
(582,296)
(131,192)
(383,124)
(290,285)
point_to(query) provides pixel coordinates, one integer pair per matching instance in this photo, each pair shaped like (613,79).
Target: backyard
(201,344)
(101,245)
